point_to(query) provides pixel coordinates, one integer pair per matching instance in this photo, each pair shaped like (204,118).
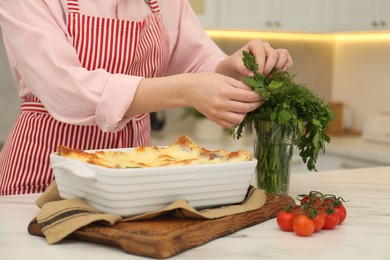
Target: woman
(89,72)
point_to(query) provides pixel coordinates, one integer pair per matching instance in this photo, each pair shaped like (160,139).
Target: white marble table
(364,235)
(343,152)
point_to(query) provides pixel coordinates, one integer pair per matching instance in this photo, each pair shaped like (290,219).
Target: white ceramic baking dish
(129,192)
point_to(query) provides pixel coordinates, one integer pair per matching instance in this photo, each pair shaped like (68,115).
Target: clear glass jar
(273,149)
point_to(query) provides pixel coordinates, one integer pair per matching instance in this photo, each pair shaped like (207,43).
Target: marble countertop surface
(365,234)
(359,148)
(354,147)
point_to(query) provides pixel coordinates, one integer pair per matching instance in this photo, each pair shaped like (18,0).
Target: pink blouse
(44,62)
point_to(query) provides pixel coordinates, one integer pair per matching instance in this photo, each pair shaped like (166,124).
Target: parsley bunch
(289,103)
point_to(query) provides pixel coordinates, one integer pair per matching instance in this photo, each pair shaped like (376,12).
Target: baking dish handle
(76,168)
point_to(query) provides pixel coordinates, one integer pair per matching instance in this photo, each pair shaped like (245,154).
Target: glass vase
(273,149)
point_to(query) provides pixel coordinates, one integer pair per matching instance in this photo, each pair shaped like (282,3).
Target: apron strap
(153,5)
(73,6)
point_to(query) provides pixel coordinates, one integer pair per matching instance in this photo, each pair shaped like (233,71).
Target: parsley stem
(273,151)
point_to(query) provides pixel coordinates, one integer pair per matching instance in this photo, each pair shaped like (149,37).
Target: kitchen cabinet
(207,12)
(274,15)
(361,15)
(295,16)
(245,14)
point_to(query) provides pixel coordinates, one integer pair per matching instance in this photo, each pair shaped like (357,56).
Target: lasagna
(182,152)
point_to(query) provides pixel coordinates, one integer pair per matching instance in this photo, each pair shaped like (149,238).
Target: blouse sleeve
(192,50)
(45,64)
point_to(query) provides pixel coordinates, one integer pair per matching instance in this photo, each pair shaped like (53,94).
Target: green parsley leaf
(289,103)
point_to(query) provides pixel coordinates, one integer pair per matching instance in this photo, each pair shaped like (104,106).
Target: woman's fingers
(267,57)
(229,119)
(233,109)
(262,51)
(284,59)
(222,99)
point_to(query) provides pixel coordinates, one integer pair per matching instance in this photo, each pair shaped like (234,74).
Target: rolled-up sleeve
(45,64)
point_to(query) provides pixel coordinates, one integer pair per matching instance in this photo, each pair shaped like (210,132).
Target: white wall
(361,77)
(9,101)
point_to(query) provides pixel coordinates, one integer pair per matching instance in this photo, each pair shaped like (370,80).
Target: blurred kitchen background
(340,48)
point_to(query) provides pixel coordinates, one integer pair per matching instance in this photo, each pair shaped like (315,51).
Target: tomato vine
(316,211)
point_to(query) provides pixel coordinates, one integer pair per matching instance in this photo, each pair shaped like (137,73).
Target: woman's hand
(266,57)
(222,99)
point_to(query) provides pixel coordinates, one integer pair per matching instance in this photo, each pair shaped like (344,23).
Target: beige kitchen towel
(59,218)
(51,194)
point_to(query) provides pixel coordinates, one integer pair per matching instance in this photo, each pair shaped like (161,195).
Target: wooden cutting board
(164,237)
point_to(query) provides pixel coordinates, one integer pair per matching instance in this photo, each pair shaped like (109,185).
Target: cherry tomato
(285,217)
(314,198)
(338,207)
(316,202)
(303,225)
(305,200)
(285,220)
(342,212)
(331,221)
(319,221)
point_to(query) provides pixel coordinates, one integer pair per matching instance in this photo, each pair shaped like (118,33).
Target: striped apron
(138,48)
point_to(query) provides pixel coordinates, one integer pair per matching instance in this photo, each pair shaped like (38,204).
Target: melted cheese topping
(182,152)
